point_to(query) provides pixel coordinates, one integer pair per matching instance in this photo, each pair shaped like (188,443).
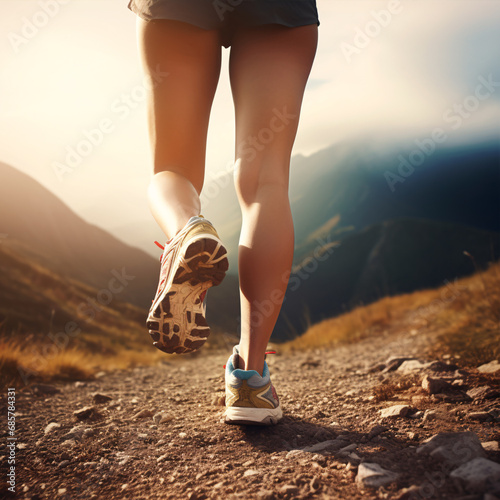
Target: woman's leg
(269,68)
(182,64)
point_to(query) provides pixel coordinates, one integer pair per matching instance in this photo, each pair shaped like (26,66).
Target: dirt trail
(119,448)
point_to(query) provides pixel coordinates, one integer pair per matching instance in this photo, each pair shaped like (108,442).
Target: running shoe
(250,398)
(192,261)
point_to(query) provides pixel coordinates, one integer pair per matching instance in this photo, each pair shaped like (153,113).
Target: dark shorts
(229,15)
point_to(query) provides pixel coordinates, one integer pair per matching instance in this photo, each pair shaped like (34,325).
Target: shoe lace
(265,354)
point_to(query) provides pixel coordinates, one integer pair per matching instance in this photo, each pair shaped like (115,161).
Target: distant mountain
(460,185)
(388,258)
(456,184)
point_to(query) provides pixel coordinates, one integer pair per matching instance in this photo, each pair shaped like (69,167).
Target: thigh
(269,68)
(182,63)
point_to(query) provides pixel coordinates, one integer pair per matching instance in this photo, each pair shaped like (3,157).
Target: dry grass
(463,318)
(20,365)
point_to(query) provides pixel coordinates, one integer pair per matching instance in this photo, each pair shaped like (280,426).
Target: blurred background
(395,176)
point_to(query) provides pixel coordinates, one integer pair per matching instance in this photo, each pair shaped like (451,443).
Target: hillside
(54,327)
(55,236)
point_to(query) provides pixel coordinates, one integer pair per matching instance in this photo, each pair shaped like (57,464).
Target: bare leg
(269,67)
(182,63)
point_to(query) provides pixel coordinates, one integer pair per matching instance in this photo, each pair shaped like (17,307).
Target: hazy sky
(396,74)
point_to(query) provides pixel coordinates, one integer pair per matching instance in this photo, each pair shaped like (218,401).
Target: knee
(253,182)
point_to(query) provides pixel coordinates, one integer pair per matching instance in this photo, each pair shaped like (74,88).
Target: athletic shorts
(229,15)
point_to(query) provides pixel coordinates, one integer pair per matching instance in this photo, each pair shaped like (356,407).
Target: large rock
(453,448)
(491,367)
(477,475)
(372,475)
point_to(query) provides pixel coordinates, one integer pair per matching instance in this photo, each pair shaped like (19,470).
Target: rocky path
(354,428)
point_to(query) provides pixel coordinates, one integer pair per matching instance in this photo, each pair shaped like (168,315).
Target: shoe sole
(176,321)
(252,416)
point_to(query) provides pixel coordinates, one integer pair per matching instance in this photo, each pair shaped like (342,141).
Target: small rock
(295,454)
(100,374)
(289,490)
(347,449)
(477,475)
(162,418)
(481,416)
(45,389)
(323,445)
(145,413)
(411,493)
(182,435)
(85,413)
(434,385)
(430,415)
(490,445)
(394,362)
(491,367)
(51,427)
(413,365)
(251,473)
(61,491)
(76,432)
(63,464)
(372,475)
(100,399)
(440,366)
(376,430)
(453,448)
(265,495)
(395,411)
(78,384)
(483,392)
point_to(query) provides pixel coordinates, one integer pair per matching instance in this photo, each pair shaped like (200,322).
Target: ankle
(247,362)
